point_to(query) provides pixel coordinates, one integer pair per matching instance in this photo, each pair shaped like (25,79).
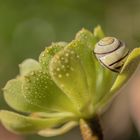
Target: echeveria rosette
(66,85)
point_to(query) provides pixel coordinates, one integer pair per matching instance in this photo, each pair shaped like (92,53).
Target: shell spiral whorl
(111,53)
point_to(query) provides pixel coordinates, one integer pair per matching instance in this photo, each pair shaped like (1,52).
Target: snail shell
(111,52)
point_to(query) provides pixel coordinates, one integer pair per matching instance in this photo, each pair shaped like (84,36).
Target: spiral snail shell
(111,53)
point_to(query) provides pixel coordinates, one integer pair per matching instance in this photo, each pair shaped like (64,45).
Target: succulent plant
(65,87)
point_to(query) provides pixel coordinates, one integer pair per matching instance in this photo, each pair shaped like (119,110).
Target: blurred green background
(28,26)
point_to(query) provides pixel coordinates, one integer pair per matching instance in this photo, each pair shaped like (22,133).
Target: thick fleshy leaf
(104,81)
(40,90)
(87,38)
(97,75)
(126,73)
(14,97)
(58,131)
(49,52)
(105,77)
(28,124)
(128,69)
(85,52)
(28,65)
(67,71)
(98,33)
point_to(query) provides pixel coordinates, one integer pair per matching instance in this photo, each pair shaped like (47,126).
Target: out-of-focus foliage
(26,27)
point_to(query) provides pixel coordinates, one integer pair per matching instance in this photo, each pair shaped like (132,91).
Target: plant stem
(91,129)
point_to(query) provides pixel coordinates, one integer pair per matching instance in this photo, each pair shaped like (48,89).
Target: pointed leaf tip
(126,73)
(98,32)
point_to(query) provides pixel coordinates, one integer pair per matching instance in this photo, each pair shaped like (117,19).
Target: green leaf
(126,73)
(89,75)
(87,38)
(83,49)
(105,77)
(49,52)
(40,90)
(28,124)
(104,81)
(58,131)
(28,65)
(98,33)
(14,97)
(67,72)
(97,75)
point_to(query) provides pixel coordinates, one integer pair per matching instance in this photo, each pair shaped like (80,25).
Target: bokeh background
(28,26)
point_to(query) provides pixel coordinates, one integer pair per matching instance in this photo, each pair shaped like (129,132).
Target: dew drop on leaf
(67,74)
(60,76)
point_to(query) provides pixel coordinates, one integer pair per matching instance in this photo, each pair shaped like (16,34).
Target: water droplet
(63,66)
(62,85)
(72,52)
(43,54)
(32,73)
(53,73)
(44,72)
(62,58)
(60,76)
(67,74)
(66,61)
(40,71)
(72,69)
(78,56)
(26,88)
(58,69)
(67,54)
(43,63)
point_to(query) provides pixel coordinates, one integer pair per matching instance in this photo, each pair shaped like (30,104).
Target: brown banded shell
(111,53)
